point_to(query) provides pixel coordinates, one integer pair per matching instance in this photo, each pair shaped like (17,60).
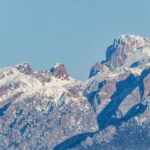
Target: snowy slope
(30,85)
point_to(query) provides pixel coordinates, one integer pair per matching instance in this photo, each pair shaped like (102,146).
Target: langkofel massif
(49,109)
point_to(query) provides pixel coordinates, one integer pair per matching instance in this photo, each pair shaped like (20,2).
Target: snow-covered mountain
(51,110)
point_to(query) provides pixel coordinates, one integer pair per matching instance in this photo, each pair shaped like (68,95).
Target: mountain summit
(51,110)
(59,71)
(122,48)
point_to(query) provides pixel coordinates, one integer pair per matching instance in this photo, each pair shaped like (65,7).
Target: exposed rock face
(50,110)
(43,125)
(25,68)
(44,76)
(118,52)
(59,71)
(98,68)
(122,47)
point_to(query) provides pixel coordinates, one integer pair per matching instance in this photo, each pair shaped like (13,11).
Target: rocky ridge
(112,106)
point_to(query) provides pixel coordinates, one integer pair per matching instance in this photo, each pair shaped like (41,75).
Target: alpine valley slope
(50,110)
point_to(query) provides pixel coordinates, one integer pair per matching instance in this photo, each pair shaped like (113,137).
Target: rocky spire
(59,71)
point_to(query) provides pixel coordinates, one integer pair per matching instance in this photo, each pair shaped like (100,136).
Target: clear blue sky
(73,32)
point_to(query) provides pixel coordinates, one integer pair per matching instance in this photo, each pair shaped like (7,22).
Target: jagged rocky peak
(25,68)
(59,71)
(98,67)
(43,76)
(126,50)
(131,41)
(122,47)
